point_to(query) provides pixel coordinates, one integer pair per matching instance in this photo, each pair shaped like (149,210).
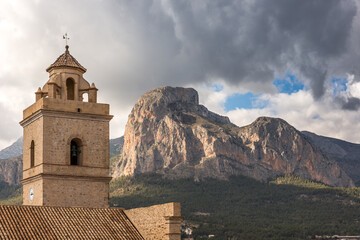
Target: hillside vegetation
(287,207)
(10,194)
(242,208)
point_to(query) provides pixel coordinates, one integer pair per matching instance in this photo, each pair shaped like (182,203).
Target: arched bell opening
(75,152)
(85,97)
(70,89)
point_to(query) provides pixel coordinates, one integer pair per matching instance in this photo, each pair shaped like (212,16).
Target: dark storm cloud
(181,42)
(253,40)
(351,103)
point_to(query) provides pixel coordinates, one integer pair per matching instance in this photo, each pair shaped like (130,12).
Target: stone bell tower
(66,141)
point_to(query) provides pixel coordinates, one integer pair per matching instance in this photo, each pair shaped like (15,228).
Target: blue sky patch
(246,101)
(217,87)
(339,85)
(289,84)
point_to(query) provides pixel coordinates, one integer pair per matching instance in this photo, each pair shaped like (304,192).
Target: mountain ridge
(346,154)
(14,150)
(170,133)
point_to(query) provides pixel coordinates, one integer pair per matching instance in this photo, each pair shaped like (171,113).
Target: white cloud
(301,110)
(353,88)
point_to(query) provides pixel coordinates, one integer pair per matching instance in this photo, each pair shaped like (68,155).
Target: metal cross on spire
(65,36)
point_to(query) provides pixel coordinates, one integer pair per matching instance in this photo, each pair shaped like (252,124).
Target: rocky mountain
(116,146)
(11,163)
(170,133)
(14,150)
(11,170)
(346,154)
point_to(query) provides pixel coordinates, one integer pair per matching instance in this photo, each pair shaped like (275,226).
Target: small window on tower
(70,89)
(32,154)
(75,151)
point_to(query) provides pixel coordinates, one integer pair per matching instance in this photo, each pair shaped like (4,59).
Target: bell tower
(66,141)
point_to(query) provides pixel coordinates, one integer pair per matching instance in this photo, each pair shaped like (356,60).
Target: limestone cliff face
(170,133)
(346,154)
(11,170)
(11,162)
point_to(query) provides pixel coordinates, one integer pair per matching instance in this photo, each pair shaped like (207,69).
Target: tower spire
(65,36)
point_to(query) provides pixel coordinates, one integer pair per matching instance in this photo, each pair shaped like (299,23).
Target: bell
(73,151)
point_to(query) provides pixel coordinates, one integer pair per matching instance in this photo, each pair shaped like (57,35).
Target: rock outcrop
(116,146)
(170,133)
(11,170)
(346,154)
(11,163)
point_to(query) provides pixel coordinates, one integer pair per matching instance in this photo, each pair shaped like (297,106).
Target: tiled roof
(38,222)
(66,60)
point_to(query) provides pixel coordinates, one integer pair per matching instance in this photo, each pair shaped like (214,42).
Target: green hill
(10,194)
(243,208)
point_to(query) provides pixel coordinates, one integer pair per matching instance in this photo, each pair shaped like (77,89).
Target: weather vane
(65,36)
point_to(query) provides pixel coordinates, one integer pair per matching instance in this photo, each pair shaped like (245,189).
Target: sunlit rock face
(170,133)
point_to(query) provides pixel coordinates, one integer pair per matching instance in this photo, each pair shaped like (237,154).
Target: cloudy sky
(297,60)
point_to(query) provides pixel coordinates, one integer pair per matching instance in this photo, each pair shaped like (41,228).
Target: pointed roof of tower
(66,60)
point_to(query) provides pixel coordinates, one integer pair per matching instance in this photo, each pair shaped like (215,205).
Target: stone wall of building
(37,186)
(59,130)
(33,132)
(75,192)
(158,222)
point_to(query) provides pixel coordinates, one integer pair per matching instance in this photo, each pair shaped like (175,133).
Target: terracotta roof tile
(66,60)
(38,222)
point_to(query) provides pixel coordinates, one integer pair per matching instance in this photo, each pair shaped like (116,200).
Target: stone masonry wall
(33,132)
(75,192)
(94,135)
(158,221)
(37,186)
